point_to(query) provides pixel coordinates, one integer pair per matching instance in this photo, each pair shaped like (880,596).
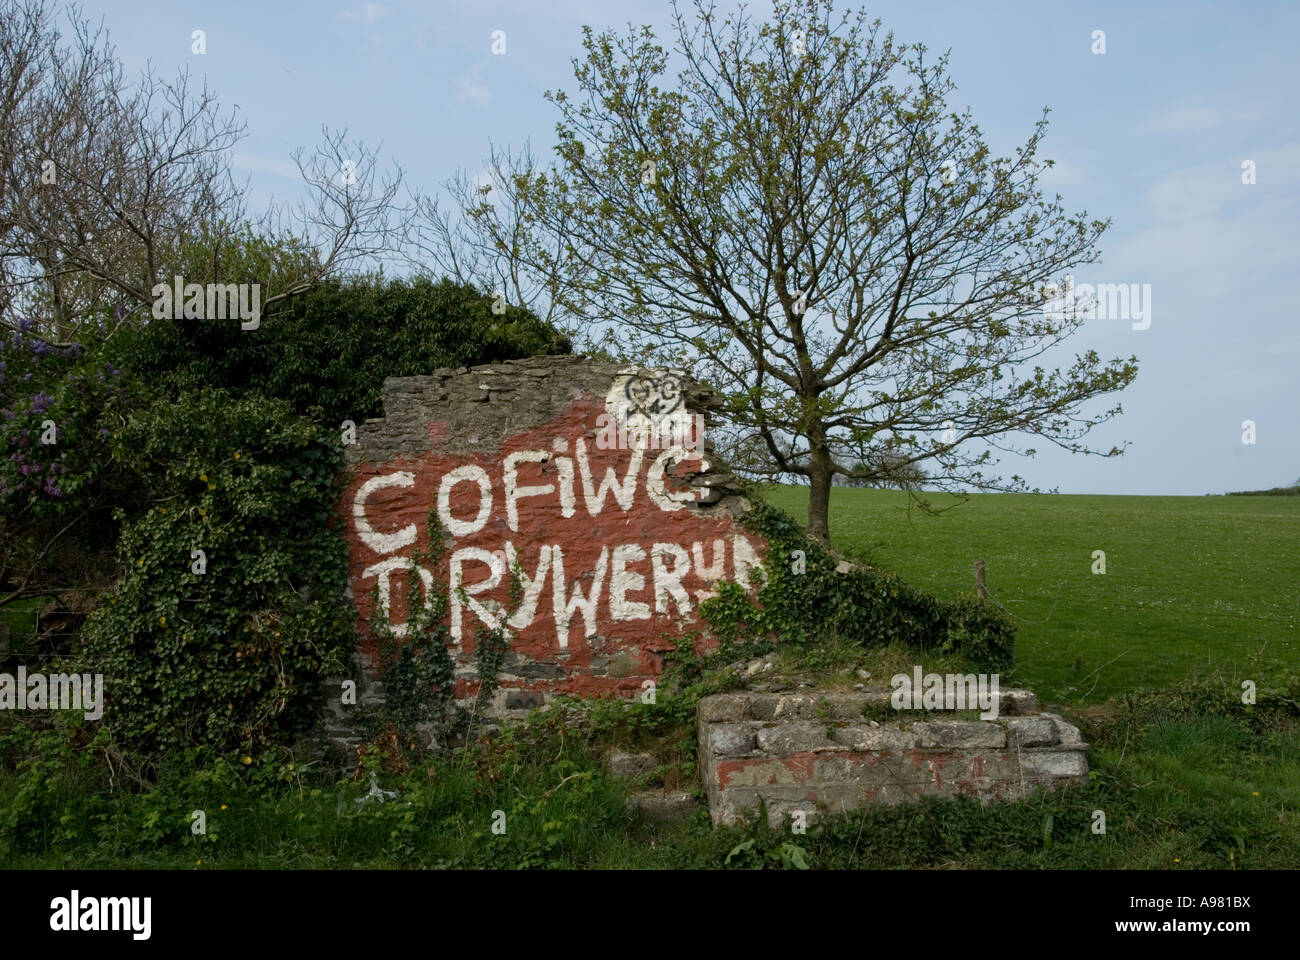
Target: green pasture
(1187,777)
(1191,583)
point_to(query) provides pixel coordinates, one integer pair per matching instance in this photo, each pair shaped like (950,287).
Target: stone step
(622,764)
(663,806)
(759,748)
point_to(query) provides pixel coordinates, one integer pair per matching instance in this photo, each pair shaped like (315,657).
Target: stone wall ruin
(591,481)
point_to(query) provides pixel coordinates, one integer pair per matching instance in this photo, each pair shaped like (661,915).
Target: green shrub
(804,599)
(1212,695)
(230,657)
(327,352)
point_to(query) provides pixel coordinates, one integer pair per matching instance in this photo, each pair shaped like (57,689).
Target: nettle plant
(228,609)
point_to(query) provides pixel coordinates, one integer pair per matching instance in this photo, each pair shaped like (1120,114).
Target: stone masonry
(813,751)
(580,513)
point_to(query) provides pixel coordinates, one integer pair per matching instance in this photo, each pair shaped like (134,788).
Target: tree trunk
(819,494)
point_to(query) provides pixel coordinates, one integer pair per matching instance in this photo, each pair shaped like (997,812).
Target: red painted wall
(641,565)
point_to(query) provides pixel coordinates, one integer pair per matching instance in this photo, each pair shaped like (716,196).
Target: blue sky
(1152,134)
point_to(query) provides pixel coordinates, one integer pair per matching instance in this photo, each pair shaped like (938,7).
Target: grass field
(1191,582)
(1187,777)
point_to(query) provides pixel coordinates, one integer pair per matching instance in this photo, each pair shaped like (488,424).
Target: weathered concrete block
(1054,763)
(964,734)
(794,706)
(995,765)
(862,736)
(762,706)
(849,706)
(663,806)
(723,707)
(1030,731)
(786,738)
(781,813)
(730,739)
(762,771)
(1067,733)
(622,764)
(831,768)
(939,769)
(816,706)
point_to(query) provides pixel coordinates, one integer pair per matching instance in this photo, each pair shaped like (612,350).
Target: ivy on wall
(804,599)
(228,607)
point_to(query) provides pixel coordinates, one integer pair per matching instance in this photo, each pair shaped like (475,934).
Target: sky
(1153,133)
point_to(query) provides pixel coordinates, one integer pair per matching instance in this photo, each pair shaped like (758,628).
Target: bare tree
(350,217)
(486,236)
(104,181)
(99,174)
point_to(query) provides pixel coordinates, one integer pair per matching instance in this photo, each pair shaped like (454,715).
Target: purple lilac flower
(41,402)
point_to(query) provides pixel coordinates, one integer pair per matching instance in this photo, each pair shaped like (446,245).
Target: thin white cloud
(472,89)
(368,13)
(1223,115)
